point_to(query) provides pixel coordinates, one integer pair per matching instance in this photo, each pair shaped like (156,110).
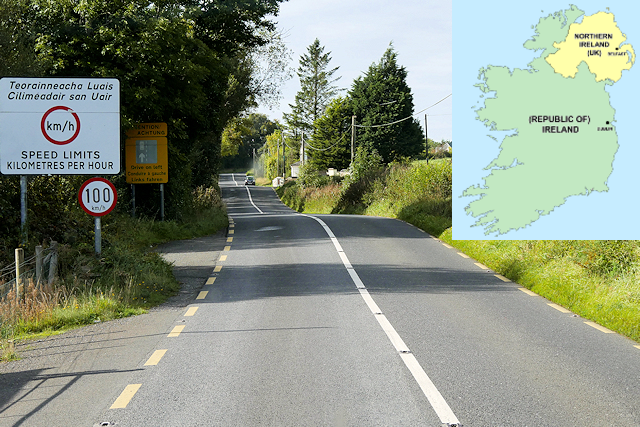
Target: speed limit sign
(97,196)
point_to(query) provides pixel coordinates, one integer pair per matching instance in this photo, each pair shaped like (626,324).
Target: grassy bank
(598,280)
(128,277)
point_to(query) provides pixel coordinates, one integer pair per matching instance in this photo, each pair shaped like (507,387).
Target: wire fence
(41,268)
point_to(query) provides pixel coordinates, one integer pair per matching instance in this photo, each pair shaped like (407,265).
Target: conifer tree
(381,97)
(316,89)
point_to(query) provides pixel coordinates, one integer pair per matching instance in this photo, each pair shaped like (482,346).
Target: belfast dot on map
(561,138)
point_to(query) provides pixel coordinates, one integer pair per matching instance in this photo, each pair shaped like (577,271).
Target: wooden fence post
(38,265)
(19,261)
(53,263)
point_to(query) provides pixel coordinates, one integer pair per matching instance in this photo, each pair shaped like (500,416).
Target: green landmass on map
(537,169)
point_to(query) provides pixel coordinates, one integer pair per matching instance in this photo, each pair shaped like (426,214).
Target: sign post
(97,197)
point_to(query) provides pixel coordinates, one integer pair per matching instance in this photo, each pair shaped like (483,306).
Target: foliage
(310,176)
(125,280)
(331,144)
(316,89)
(244,135)
(182,62)
(382,96)
(597,280)
(271,155)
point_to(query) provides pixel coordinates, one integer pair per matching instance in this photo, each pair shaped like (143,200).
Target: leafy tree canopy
(331,144)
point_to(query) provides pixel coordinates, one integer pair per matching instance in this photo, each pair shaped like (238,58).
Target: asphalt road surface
(332,320)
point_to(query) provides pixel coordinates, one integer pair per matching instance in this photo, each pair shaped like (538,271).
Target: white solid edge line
(251,199)
(439,405)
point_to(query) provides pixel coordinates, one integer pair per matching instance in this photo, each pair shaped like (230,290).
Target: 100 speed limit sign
(97,196)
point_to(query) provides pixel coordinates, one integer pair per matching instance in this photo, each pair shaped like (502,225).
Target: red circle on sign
(82,201)
(44,130)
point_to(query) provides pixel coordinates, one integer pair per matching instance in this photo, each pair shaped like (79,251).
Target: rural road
(330,320)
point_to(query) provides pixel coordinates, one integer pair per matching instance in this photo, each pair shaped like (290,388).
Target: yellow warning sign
(148,129)
(147,160)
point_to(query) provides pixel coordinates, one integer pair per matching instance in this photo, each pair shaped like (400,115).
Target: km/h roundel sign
(60,125)
(97,196)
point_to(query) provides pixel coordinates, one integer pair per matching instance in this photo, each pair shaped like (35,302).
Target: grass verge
(127,279)
(598,280)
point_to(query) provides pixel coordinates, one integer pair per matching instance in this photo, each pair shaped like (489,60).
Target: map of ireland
(556,120)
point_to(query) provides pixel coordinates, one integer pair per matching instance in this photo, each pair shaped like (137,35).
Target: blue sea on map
(493,33)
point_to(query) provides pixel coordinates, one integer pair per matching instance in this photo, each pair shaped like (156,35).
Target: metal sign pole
(23,208)
(98,235)
(161,202)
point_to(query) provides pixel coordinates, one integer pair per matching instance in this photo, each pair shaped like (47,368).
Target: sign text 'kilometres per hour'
(59,126)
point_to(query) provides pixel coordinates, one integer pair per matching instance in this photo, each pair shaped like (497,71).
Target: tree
(183,62)
(316,89)
(242,136)
(382,97)
(331,145)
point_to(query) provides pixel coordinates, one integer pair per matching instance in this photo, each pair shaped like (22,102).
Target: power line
(406,118)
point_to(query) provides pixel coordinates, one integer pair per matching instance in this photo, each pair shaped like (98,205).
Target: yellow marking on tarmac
(463,255)
(600,328)
(210,281)
(447,246)
(229,239)
(501,277)
(482,266)
(528,292)
(191,311)
(125,397)
(227,248)
(231,225)
(223,258)
(202,295)
(232,231)
(637,346)
(217,269)
(155,357)
(175,332)
(560,308)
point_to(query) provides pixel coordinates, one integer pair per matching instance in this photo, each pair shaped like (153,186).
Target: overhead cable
(406,118)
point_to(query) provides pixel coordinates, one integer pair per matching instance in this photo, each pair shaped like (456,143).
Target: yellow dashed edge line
(229,239)
(125,397)
(222,258)
(528,292)
(217,269)
(227,248)
(210,281)
(447,246)
(637,346)
(202,295)
(600,328)
(176,331)
(482,266)
(559,308)
(155,357)
(501,277)
(232,231)
(463,255)
(191,311)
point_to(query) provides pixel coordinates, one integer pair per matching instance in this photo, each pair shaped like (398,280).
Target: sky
(358,32)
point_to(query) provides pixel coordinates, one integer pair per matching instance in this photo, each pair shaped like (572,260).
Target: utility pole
(353,136)
(278,158)
(284,158)
(302,150)
(426,139)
